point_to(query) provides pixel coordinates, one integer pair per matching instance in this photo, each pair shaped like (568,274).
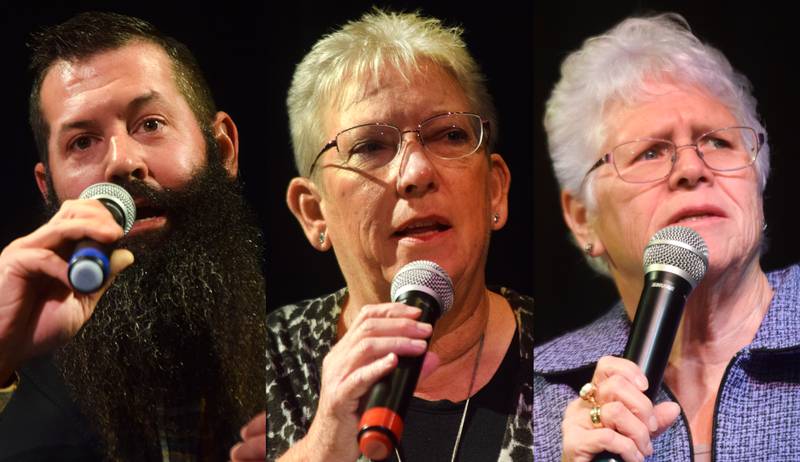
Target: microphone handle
(394,391)
(408,368)
(655,325)
(606,456)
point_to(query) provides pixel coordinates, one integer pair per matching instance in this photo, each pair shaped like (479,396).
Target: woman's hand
(628,419)
(254,441)
(368,351)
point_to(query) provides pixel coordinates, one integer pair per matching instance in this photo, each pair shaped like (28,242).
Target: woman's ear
(499,184)
(578,219)
(227,137)
(305,202)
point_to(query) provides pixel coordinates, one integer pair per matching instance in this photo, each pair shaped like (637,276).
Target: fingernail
(424,327)
(641,382)
(419,344)
(652,424)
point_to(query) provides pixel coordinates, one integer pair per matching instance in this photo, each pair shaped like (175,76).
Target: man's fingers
(119,260)
(39,261)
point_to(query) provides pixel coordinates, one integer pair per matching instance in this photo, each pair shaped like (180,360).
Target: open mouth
(693,218)
(422,228)
(146,211)
(148,217)
(696,215)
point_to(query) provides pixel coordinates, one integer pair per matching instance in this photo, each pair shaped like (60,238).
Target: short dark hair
(94,32)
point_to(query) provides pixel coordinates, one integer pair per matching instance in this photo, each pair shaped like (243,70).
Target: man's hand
(38,309)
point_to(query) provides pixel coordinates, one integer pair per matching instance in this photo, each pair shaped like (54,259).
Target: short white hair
(616,67)
(334,73)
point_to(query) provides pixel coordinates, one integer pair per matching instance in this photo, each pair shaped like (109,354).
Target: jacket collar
(779,331)
(583,347)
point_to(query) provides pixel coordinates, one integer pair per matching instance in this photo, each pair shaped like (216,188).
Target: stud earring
(496,218)
(587,248)
(322,238)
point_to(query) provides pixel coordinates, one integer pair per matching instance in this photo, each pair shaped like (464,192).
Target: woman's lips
(422,230)
(696,215)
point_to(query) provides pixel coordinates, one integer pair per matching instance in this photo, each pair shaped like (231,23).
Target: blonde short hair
(333,73)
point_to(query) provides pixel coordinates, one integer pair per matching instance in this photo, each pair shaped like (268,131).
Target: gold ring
(594,414)
(588,391)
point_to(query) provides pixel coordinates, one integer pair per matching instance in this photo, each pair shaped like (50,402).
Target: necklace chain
(466,405)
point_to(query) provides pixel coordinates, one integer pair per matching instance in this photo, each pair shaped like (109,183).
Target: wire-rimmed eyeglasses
(368,147)
(645,160)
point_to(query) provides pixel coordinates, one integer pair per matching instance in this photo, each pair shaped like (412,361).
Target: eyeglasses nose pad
(402,149)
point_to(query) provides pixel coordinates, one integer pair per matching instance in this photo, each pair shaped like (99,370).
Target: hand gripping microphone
(675,260)
(90,265)
(425,285)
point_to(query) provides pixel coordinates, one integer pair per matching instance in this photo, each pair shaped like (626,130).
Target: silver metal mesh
(116,194)
(680,247)
(424,274)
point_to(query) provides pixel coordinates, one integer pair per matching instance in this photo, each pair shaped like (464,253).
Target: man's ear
(305,202)
(227,137)
(576,214)
(40,173)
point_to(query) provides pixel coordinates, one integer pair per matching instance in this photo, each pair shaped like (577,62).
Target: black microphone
(89,266)
(425,285)
(675,260)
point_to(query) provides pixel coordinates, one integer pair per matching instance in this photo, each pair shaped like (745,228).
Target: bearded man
(166,361)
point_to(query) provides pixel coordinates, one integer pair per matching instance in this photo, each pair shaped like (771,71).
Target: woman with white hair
(392,129)
(649,128)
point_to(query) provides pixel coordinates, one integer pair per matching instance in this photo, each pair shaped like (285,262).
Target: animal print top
(300,335)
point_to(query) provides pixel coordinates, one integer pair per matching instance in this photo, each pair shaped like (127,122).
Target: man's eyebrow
(143,100)
(133,106)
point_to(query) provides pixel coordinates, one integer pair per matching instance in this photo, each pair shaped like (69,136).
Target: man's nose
(124,160)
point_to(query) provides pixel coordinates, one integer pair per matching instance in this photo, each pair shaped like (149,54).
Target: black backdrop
(248,51)
(759,40)
(500,40)
(229,45)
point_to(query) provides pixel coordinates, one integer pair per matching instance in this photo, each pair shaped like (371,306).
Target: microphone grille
(678,247)
(427,276)
(116,194)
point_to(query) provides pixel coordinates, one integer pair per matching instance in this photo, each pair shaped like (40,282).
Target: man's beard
(180,331)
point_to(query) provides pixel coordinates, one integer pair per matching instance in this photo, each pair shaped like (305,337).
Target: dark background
(760,42)
(248,52)
(229,45)
(500,40)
